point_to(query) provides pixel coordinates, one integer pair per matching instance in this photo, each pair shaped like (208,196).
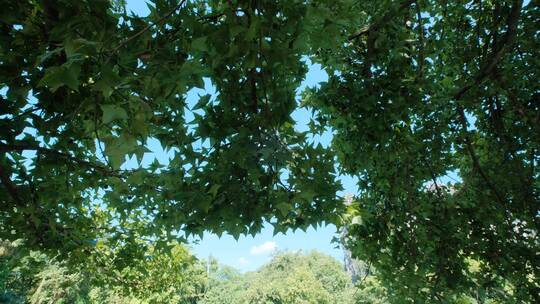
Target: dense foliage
(434,107)
(437,111)
(34,277)
(79,95)
(289,278)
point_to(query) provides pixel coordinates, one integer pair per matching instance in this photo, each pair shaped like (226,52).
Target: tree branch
(484,72)
(148,27)
(474,157)
(494,58)
(24,146)
(375,26)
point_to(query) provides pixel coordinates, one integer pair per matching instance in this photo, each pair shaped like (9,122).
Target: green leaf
(283,208)
(49,54)
(307,195)
(116,148)
(235,30)
(113,112)
(214,190)
(136,178)
(58,76)
(75,48)
(109,79)
(204,203)
(199,44)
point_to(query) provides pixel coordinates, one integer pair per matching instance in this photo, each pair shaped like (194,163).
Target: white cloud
(243,261)
(264,248)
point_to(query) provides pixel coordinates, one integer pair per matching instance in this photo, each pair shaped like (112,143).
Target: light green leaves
(287,279)
(357,220)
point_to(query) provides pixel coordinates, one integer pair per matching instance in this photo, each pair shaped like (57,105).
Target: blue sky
(248,253)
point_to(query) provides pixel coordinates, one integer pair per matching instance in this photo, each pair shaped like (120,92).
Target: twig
(497,55)
(375,26)
(22,147)
(149,26)
(488,68)
(97,135)
(28,111)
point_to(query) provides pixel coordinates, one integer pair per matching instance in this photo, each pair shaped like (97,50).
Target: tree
(173,276)
(435,107)
(81,95)
(419,93)
(289,278)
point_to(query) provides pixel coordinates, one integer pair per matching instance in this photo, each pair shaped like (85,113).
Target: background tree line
(178,277)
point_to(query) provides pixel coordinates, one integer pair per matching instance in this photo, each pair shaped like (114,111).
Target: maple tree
(436,109)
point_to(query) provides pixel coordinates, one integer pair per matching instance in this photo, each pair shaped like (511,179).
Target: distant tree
(289,278)
(174,276)
(370,291)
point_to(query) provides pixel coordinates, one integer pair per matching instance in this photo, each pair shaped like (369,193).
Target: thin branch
(97,135)
(375,26)
(434,179)
(474,157)
(28,111)
(148,27)
(24,146)
(494,58)
(421,41)
(488,68)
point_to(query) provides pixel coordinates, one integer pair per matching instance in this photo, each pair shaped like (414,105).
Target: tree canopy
(289,278)
(433,105)
(173,276)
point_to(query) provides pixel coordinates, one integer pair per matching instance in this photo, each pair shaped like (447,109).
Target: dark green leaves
(112,113)
(58,76)
(116,148)
(108,80)
(199,44)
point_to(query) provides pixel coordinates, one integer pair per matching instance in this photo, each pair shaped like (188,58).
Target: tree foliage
(81,95)
(419,93)
(436,110)
(289,278)
(33,277)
